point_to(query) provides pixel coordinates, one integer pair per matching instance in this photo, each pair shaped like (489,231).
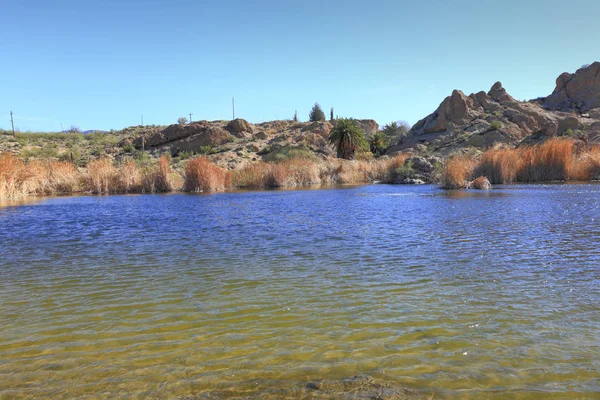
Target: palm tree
(378,142)
(347,137)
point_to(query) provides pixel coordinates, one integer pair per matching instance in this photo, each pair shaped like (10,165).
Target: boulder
(579,91)
(419,164)
(369,126)
(481,183)
(237,126)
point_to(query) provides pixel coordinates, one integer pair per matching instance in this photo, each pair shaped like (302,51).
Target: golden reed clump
(201,175)
(554,160)
(40,178)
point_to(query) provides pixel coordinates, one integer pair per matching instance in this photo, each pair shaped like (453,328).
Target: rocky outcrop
(239,127)
(485,119)
(369,126)
(185,137)
(579,91)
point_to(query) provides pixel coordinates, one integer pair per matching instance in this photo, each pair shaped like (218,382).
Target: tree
(396,130)
(347,137)
(331,114)
(182,120)
(378,143)
(316,114)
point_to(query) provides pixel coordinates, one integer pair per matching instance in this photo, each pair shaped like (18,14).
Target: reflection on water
(465,294)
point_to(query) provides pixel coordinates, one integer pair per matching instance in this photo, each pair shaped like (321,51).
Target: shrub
(316,114)
(348,138)
(182,120)
(495,125)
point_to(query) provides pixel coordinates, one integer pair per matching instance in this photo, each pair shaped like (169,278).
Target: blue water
(465,294)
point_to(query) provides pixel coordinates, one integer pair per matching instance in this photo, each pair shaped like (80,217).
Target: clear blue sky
(102,64)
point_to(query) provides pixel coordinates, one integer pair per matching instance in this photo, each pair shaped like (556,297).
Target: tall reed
(458,172)
(201,175)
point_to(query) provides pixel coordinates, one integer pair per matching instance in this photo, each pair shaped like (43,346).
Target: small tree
(347,137)
(182,120)
(331,114)
(295,116)
(316,114)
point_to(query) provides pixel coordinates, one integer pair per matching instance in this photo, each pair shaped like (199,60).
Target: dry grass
(554,160)
(38,178)
(550,161)
(458,172)
(201,175)
(102,177)
(499,165)
(157,178)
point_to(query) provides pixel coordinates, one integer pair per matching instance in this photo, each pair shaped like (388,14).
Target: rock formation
(579,91)
(484,119)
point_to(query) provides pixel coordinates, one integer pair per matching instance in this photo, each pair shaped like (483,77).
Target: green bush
(495,125)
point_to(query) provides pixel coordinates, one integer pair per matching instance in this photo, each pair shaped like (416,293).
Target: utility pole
(12,123)
(61,128)
(142,121)
(191,117)
(233,106)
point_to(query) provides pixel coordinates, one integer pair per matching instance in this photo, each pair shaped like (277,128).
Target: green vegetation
(395,131)
(406,171)
(316,114)
(495,125)
(348,138)
(378,143)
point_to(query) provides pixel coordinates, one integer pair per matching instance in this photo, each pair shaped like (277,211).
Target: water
(462,294)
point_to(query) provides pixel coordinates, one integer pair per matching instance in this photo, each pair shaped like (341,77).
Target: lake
(464,294)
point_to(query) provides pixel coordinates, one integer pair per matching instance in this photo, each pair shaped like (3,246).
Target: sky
(103,64)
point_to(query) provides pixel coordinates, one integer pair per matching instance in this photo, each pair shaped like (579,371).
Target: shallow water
(462,294)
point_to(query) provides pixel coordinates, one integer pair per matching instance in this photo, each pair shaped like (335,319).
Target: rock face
(485,119)
(579,91)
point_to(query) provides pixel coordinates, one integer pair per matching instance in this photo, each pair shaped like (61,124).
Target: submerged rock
(360,387)
(481,183)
